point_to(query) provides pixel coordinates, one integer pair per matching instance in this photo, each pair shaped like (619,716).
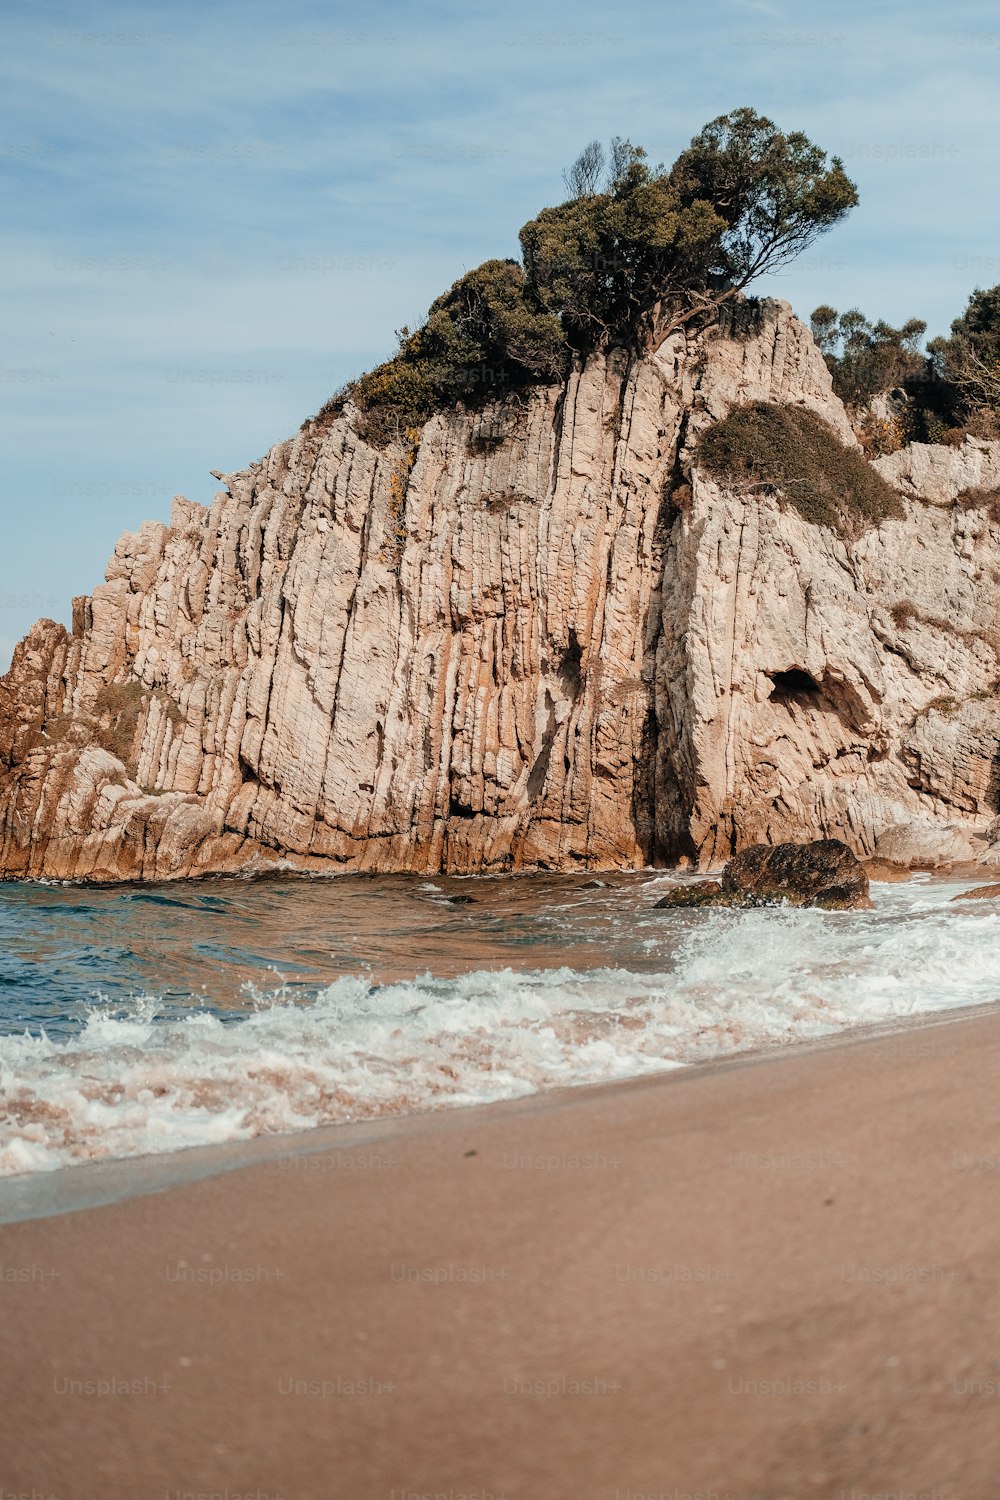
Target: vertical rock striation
(548,641)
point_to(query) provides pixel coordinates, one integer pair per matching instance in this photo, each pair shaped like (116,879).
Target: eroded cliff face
(539,637)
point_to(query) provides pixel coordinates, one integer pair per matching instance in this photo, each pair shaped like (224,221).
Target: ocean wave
(133,1082)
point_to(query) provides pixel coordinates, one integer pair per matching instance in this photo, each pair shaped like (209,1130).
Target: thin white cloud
(263,155)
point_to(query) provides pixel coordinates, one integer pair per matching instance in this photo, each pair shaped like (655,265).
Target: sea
(142,1020)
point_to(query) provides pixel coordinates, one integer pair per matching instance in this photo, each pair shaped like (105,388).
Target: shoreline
(82,1186)
(877,869)
(777,1277)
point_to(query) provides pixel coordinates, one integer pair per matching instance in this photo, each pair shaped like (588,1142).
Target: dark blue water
(219,944)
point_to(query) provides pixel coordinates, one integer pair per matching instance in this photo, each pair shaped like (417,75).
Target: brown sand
(778,1277)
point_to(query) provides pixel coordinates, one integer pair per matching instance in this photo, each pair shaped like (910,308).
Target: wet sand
(776,1277)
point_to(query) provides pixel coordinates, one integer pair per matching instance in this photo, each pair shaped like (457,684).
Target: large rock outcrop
(541,638)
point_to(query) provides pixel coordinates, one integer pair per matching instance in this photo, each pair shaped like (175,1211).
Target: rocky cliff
(539,636)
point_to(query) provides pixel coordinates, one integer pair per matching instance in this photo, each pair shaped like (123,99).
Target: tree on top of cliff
(970,360)
(867,358)
(634,253)
(655,249)
(603,260)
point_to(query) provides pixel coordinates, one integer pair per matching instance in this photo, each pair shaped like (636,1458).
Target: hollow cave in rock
(794,686)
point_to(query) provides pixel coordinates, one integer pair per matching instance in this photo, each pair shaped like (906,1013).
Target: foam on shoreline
(129,1084)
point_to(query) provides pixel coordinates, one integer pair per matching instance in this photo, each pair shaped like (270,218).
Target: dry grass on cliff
(327,414)
(122,704)
(793,452)
(905,614)
(975,498)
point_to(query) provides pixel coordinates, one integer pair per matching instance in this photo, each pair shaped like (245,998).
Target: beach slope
(775,1277)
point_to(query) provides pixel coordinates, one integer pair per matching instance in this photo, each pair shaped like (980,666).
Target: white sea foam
(130,1085)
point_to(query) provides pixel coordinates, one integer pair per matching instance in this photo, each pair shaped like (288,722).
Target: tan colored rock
(937,474)
(981,893)
(539,660)
(921,845)
(880,869)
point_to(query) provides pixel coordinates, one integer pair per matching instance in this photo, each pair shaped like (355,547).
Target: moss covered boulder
(824,873)
(698,893)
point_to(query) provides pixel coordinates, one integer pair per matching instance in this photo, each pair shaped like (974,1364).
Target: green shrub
(635,252)
(793,452)
(482,339)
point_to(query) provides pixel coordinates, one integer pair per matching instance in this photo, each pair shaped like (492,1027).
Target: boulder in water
(699,893)
(980,893)
(823,873)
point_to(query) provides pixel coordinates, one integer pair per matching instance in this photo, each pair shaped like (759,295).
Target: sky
(217,214)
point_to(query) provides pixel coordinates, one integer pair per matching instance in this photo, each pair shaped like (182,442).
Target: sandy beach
(775,1277)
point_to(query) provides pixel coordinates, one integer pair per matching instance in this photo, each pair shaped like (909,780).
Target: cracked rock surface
(565,648)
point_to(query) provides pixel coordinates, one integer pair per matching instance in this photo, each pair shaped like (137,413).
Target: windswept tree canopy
(776,193)
(634,252)
(644,250)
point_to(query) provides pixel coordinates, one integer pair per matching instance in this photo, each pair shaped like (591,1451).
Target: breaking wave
(138,1078)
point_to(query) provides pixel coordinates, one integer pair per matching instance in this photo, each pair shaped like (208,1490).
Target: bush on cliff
(635,252)
(952,389)
(869,359)
(793,452)
(482,339)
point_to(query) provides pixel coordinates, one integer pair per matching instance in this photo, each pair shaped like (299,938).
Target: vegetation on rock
(482,339)
(634,252)
(867,358)
(642,250)
(949,391)
(969,361)
(119,706)
(977,497)
(793,452)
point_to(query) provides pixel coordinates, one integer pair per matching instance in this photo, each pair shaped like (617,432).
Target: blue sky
(217,214)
